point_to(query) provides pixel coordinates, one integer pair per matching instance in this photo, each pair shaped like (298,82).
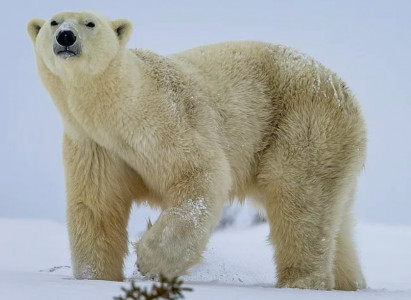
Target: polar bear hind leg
(347,270)
(305,177)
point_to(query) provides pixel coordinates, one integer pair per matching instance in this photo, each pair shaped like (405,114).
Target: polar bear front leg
(176,241)
(98,207)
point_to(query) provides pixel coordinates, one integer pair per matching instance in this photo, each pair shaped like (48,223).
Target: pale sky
(366,42)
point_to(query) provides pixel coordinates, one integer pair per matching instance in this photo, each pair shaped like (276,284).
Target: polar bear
(190,131)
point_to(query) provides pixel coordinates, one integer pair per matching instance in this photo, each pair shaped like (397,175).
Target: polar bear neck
(82,79)
(83,99)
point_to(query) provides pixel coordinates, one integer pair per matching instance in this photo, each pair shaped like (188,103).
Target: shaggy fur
(190,131)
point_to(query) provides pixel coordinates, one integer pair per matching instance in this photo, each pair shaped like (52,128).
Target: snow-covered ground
(237,265)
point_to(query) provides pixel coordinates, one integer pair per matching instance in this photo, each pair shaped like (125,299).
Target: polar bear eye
(90,24)
(53,23)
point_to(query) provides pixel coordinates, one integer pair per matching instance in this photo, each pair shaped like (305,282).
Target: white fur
(190,131)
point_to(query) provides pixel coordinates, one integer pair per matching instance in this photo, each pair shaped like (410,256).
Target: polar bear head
(80,42)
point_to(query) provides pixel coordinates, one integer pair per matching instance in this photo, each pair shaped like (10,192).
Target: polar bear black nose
(66,38)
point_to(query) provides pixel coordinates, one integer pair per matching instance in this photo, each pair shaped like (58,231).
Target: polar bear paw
(167,249)
(312,281)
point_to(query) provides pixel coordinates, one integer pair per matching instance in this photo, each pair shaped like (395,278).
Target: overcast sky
(366,42)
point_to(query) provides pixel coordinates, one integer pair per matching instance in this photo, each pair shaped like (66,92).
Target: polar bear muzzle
(66,43)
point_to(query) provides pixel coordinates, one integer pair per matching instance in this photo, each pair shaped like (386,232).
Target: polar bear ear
(122,28)
(33,28)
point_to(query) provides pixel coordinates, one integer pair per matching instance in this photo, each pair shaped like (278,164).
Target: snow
(35,255)
(190,210)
